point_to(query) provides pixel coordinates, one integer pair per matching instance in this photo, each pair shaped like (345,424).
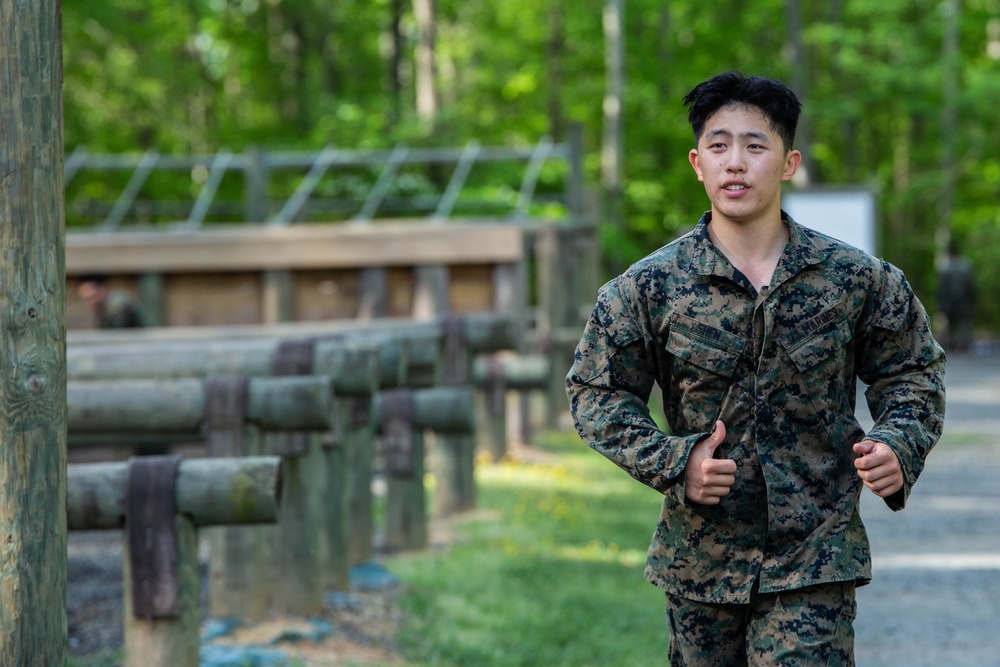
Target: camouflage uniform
(802,627)
(779,367)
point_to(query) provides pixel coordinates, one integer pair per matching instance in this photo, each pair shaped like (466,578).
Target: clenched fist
(707,479)
(878,468)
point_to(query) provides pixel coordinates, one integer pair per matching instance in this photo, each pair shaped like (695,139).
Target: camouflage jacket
(780,368)
(120,310)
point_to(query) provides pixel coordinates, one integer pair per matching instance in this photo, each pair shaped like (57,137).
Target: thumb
(864,447)
(717,437)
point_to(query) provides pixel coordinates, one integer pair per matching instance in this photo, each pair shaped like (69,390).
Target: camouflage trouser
(807,627)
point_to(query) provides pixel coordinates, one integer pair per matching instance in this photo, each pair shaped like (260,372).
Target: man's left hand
(878,468)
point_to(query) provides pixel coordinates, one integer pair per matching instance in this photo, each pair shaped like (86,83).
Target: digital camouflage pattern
(779,368)
(806,627)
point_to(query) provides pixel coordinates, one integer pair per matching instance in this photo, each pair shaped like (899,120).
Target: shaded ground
(357,627)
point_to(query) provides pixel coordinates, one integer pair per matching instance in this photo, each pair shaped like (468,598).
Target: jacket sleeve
(609,387)
(903,367)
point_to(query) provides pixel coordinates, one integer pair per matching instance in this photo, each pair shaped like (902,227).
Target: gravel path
(935,595)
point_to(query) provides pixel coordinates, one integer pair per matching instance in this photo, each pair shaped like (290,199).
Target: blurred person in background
(956,299)
(113,308)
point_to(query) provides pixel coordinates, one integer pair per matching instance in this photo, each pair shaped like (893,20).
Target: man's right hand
(707,480)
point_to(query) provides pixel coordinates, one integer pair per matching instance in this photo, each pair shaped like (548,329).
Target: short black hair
(775,100)
(97,277)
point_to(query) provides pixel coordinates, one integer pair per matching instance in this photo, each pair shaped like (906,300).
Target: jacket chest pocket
(817,340)
(704,359)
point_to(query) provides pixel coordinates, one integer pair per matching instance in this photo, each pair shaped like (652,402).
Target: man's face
(742,163)
(92,293)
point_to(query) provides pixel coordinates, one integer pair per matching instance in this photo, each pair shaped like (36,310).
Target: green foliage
(549,572)
(201,75)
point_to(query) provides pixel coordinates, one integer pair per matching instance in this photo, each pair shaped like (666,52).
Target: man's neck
(753,247)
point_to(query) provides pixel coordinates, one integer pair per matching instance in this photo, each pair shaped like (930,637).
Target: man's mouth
(734,187)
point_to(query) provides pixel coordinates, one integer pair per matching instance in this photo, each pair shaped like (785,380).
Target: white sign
(847,215)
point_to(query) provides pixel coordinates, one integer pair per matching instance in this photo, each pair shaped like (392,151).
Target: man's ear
(693,159)
(792,163)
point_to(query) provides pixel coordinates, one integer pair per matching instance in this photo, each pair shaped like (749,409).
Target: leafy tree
(201,75)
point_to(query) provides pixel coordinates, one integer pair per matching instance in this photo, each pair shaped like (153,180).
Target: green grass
(547,572)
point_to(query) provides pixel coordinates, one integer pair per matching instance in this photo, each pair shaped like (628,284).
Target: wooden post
(296,578)
(491,408)
(163,501)
(277,296)
(32,318)
(347,531)
(402,416)
(152,295)
(454,453)
(403,445)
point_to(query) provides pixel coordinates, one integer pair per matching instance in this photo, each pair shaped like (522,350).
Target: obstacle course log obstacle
(402,416)
(496,375)
(161,502)
(357,364)
(100,411)
(230,414)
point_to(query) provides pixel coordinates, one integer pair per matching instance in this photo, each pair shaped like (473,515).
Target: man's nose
(736,163)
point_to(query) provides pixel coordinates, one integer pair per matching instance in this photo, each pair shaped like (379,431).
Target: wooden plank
(315,246)
(326,294)
(205,299)
(472,289)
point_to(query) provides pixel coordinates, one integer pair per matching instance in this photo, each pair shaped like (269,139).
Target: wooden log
(483,332)
(206,492)
(188,358)
(439,409)
(32,318)
(522,371)
(178,406)
(211,491)
(355,365)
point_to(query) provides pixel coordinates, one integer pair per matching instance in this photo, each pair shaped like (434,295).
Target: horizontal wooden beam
(355,366)
(482,332)
(272,247)
(440,409)
(178,406)
(212,491)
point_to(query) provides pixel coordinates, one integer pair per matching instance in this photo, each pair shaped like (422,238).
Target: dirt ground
(358,627)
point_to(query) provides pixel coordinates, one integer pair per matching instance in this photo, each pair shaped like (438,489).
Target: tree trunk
(555,52)
(612,150)
(427,100)
(949,123)
(396,62)
(33,344)
(800,77)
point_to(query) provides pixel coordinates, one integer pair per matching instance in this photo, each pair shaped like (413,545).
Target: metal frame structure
(302,204)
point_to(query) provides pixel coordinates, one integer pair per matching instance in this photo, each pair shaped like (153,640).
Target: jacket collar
(804,249)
